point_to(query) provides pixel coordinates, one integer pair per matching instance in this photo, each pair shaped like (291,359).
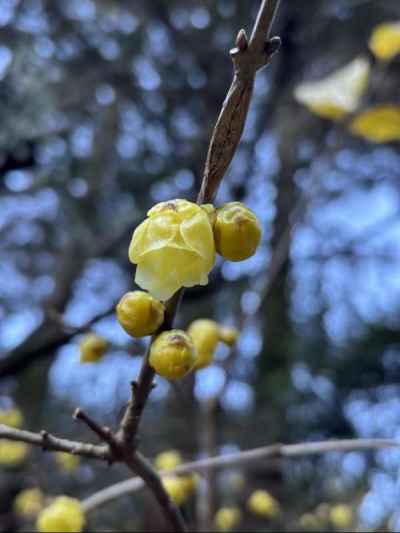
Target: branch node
(273,45)
(241,40)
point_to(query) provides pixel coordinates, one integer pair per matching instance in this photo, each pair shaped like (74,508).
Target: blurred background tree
(107,108)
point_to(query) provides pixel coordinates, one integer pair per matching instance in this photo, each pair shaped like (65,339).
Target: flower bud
(92,348)
(176,489)
(28,503)
(227,518)
(172,354)
(140,314)
(64,514)
(237,232)
(205,336)
(341,516)
(13,453)
(67,462)
(263,504)
(228,336)
(11,417)
(168,460)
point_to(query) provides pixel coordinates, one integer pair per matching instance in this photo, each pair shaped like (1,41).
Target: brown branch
(242,458)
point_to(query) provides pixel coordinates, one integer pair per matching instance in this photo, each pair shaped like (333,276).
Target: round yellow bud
(64,515)
(173,248)
(92,347)
(263,504)
(140,314)
(310,522)
(385,41)
(168,460)
(172,354)
(237,232)
(190,483)
(227,518)
(205,336)
(176,489)
(11,417)
(67,461)
(12,453)
(29,503)
(341,516)
(228,336)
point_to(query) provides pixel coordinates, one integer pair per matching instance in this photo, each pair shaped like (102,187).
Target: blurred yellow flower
(205,336)
(263,504)
(341,516)
(385,41)
(92,348)
(140,314)
(67,461)
(29,503)
(379,124)
(337,94)
(227,518)
(12,453)
(12,417)
(173,248)
(172,354)
(176,489)
(228,336)
(64,515)
(168,460)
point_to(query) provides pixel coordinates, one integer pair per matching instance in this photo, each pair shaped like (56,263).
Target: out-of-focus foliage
(107,108)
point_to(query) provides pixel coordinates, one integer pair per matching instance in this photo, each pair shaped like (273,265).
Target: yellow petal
(197,234)
(385,41)
(379,124)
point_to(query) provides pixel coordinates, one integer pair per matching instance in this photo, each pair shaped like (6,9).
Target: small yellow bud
(310,522)
(228,336)
(205,336)
(227,518)
(173,248)
(92,347)
(12,453)
(176,489)
(64,515)
(29,503)
(172,354)
(237,232)
(168,460)
(190,483)
(11,417)
(385,41)
(67,461)
(341,516)
(263,504)
(140,314)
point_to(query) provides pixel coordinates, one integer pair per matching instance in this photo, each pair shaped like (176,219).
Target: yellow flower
(227,518)
(379,124)
(92,347)
(12,453)
(228,336)
(29,503)
(67,461)
(205,336)
(337,94)
(11,417)
(385,41)
(176,489)
(263,504)
(341,516)
(64,515)
(173,248)
(310,522)
(190,483)
(172,354)
(168,460)
(140,314)
(237,232)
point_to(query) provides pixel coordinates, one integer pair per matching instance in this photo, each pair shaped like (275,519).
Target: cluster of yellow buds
(227,518)
(263,504)
(67,462)
(64,514)
(92,348)
(11,417)
(29,503)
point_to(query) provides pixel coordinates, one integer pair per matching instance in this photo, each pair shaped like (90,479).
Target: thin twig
(267,452)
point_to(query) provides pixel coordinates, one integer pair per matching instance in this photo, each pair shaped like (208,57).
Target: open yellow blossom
(341,516)
(228,336)
(172,354)
(173,248)
(263,504)
(176,489)
(29,503)
(67,461)
(227,518)
(64,515)
(140,314)
(11,417)
(92,348)
(385,41)
(337,94)
(205,336)
(168,460)
(12,453)
(380,124)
